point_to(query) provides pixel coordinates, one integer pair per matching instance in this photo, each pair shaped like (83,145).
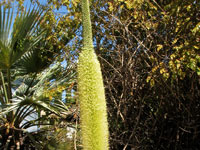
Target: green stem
(4,88)
(29,86)
(9,85)
(10,116)
(87,28)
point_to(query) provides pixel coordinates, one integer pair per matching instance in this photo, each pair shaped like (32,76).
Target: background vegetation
(150,59)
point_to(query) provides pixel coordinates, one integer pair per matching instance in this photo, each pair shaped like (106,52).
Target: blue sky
(27,3)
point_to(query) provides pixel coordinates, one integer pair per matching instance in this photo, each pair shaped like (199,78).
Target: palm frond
(4,98)
(18,37)
(26,106)
(6,19)
(30,62)
(25,34)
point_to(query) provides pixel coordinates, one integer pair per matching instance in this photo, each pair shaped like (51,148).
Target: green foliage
(57,140)
(149,56)
(177,44)
(28,84)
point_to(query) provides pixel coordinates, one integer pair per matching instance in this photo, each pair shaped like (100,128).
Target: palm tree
(23,79)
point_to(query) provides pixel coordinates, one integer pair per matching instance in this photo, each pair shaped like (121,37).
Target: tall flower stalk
(94,125)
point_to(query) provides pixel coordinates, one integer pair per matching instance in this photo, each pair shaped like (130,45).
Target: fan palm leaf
(23,77)
(15,36)
(24,104)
